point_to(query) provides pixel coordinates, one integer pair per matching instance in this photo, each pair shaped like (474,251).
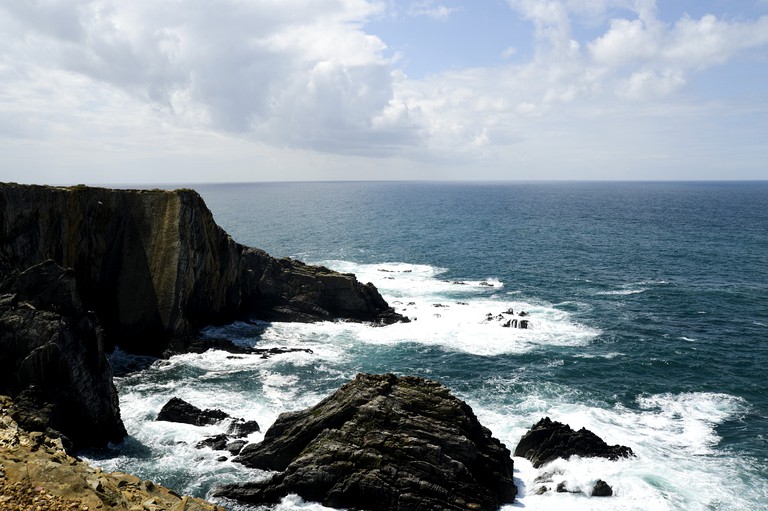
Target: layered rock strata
(382,443)
(154,265)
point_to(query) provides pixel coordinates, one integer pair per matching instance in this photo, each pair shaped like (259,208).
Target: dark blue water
(649,300)
(700,249)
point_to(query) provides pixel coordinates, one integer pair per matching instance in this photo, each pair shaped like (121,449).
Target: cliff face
(153,264)
(52,358)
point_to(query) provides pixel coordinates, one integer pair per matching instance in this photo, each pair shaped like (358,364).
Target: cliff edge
(153,264)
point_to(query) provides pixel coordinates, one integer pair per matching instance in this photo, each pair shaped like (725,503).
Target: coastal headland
(86,270)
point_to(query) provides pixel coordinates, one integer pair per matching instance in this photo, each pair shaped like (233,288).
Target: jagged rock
(154,265)
(217,442)
(178,410)
(236,446)
(53,360)
(548,440)
(601,489)
(241,428)
(380,443)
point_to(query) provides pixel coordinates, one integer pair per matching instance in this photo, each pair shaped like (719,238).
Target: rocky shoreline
(84,270)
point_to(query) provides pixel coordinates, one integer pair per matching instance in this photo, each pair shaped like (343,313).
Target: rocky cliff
(153,264)
(52,358)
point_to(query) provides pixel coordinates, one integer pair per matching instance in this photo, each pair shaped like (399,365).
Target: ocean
(648,311)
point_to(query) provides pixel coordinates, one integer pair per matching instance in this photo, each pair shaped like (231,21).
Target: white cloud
(109,77)
(430,9)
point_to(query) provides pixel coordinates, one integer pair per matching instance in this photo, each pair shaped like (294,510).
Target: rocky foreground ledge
(37,474)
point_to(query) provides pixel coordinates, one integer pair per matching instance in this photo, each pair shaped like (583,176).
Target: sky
(192,91)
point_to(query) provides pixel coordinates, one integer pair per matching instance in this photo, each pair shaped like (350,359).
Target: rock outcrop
(382,443)
(52,358)
(154,265)
(37,474)
(548,440)
(178,410)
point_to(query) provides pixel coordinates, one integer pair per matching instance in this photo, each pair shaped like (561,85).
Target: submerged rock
(381,443)
(548,440)
(154,265)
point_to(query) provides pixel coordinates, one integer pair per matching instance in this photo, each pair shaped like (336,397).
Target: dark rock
(562,487)
(234,447)
(601,489)
(217,442)
(241,428)
(541,490)
(548,440)
(178,410)
(381,442)
(53,362)
(523,324)
(154,265)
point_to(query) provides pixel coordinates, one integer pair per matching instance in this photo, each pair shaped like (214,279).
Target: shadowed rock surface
(52,358)
(153,264)
(178,410)
(382,443)
(548,440)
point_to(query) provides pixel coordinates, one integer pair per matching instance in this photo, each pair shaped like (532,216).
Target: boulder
(53,362)
(178,410)
(601,489)
(154,265)
(548,440)
(381,442)
(242,428)
(216,442)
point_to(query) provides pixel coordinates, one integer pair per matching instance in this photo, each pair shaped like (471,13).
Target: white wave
(622,292)
(677,466)
(462,315)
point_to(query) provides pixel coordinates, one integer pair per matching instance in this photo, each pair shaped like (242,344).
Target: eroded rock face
(52,358)
(548,440)
(382,443)
(153,264)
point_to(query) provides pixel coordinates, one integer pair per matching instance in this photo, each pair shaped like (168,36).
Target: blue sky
(160,91)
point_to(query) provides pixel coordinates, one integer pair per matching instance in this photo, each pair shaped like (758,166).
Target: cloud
(311,76)
(429,9)
(297,73)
